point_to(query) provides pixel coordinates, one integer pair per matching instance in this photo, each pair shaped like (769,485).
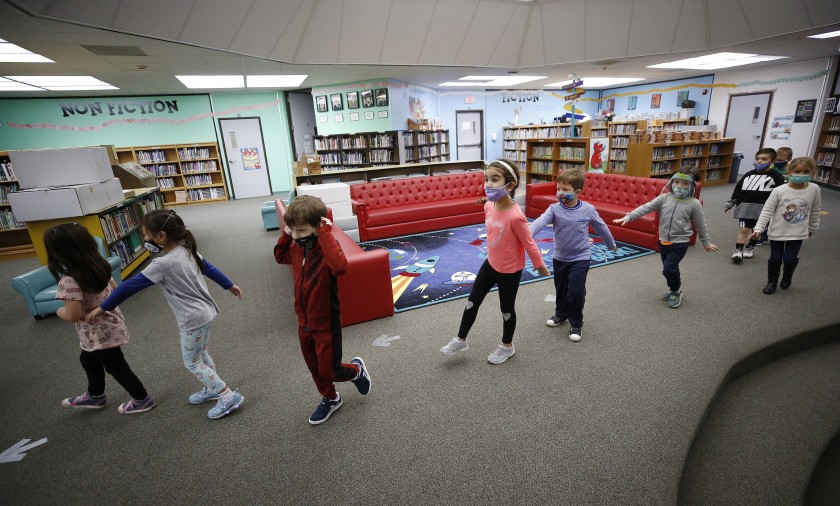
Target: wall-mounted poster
(611,105)
(416,109)
(250,158)
(805,111)
(383,114)
(368,114)
(354,116)
(337,102)
(780,127)
(681,96)
(339,118)
(367,98)
(631,103)
(352,99)
(381,97)
(599,150)
(321,103)
(655,100)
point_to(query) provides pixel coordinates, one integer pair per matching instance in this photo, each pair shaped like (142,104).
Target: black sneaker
(324,410)
(362,381)
(554,321)
(575,334)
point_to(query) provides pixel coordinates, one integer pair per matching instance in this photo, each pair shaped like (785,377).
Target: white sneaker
(575,334)
(737,255)
(748,251)
(454,346)
(500,354)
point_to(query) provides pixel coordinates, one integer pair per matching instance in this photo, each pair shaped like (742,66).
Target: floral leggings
(197,360)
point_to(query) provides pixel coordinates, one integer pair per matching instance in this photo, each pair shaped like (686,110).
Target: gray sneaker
(666,295)
(748,251)
(737,255)
(675,300)
(500,354)
(454,346)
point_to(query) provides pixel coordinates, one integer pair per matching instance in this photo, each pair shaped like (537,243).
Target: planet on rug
(439,266)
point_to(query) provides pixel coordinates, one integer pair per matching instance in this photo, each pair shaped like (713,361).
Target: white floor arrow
(16,452)
(384,340)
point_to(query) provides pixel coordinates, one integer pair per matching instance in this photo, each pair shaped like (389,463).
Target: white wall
(783,102)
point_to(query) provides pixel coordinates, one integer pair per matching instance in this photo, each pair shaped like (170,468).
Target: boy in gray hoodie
(677,209)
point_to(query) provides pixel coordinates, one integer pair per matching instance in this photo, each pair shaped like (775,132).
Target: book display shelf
(548,157)
(422,146)
(515,138)
(619,134)
(117,225)
(185,173)
(14,238)
(381,173)
(669,125)
(828,148)
(712,158)
(353,151)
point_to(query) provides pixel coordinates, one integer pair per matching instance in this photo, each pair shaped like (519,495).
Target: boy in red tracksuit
(316,258)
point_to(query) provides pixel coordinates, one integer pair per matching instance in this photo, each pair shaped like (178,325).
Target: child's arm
(333,254)
(281,249)
(71,294)
(542,221)
(602,230)
(71,311)
(766,213)
(699,220)
(520,229)
(219,277)
(653,205)
(814,217)
(735,199)
(128,288)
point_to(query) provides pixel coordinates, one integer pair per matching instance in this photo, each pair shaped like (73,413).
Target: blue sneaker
(222,408)
(324,410)
(203,396)
(362,381)
(85,401)
(135,406)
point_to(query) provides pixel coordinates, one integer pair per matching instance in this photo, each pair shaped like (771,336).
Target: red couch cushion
(419,190)
(424,211)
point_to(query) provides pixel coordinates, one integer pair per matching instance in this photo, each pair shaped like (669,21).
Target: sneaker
(500,354)
(135,406)
(454,346)
(575,334)
(222,408)
(737,255)
(85,401)
(324,410)
(675,300)
(554,321)
(666,295)
(203,395)
(748,251)
(362,381)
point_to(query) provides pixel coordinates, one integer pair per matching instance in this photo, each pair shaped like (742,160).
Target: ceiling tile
(214,23)
(533,46)
(652,26)
(265,22)
(154,18)
(727,23)
(363,25)
(764,16)
(319,45)
(404,41)
(563,41)
(446,31)
(509,47)
(607,35)
(487,24)
(90,12)
(691,28)
(290,40)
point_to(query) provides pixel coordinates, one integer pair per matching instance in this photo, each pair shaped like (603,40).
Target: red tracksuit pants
(322,352)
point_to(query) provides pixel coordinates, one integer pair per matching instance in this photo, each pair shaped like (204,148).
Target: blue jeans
(672,254)
(784,251)
(570,286)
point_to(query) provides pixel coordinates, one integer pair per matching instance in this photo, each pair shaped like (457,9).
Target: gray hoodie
(676,215)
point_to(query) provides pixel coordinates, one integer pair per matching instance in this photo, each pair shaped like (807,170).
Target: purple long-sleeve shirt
(571,230)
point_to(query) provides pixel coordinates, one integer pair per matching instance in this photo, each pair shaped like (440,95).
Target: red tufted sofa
(364,291)
(613,195)
(417,204)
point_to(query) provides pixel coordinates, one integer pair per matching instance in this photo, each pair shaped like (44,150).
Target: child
(682,210)
(793,212)
(571,219)
(84,280)
(749,196)
(316,259)
(507,236)
(178,270)
(783,156)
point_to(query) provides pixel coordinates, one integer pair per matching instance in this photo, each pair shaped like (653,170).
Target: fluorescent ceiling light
(63,83)
(492,81)
(598,82)
(12,53)
(716,61)
(275,81)
(826,35)
(7,85)
(234,81)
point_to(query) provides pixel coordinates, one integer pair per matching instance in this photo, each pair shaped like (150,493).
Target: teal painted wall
(325,122)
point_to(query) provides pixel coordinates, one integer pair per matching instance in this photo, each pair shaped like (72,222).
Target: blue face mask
(495,194)
(566,197)
(761,166)
(800,178)
(780,165)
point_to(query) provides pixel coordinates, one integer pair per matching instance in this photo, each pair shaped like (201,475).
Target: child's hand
(810,233)
(614,249)
(620,221)
(755,235)
(93,314)
(287,231)
(236,291)
(326,225)
(544,271)
(711,248)
(481,201)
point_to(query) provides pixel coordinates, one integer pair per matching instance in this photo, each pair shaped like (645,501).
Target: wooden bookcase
(186,173)
(515,138)
(422,146)
(353,151)
(619,134)
(712,157)
(368,174)
(117,225)
(548,157)
(668,125)
(14,238)
(827,153)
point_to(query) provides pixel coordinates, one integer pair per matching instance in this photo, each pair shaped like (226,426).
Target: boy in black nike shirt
(751,192)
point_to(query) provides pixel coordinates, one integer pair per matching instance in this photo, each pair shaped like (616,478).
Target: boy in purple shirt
(571,219)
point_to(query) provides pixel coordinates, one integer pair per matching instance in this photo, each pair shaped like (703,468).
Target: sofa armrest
(32,283)
(360,210)
(116,269)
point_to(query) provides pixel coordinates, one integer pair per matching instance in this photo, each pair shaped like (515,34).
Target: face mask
(761,166)
(680,192)
(566,197)
(800,178)
(152,247)
(780,165)
(307,242)
(495,194)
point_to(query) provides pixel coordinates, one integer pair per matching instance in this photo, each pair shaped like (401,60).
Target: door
(243,141)
(746,121)
(302,121)
(470,135)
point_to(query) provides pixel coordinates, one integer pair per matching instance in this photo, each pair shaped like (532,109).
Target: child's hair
(167,221)
(787,152)
(803,161)
(305,209)
(572,177)
(692,171)
(72,251)
(510,170)
(767,151)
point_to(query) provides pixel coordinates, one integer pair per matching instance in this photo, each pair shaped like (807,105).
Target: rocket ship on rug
(400,282)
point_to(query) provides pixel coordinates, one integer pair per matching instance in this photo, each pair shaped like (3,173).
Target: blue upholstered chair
(38,287)
(269,216)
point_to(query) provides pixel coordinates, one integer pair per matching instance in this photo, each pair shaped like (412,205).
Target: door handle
(756,136)
(231,161)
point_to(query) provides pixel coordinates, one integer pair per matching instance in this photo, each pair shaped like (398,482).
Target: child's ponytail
(190,244)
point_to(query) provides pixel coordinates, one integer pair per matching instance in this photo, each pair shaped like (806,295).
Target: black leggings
(508,286)
(111,360)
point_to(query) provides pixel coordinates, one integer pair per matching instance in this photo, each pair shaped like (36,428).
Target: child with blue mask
(683,211)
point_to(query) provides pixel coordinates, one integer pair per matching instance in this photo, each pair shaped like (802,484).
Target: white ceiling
(425,42)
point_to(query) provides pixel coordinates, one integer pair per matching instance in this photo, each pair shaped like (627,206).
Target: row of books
(714,175)
(117,224)
(693,150)
(541,167)
(8,221)
(193,153)
(169,169)
(326,143)
(510,145)
(6,172)
(166,182)
(715,148)
(208,166)
(425,138)
(5,190)
(830,141)
(715,161)
(198,180)
(542,151)
(825,158)
(620,142)
(623,129)
(823,175)
(618,166)
(207,194)
(618,154)
(153,156)
(561,166)
(359,142)
(571,153)
(659,153)
(424,152)
(127,249)
(381,141)
(380,156)
(517,156)
(662,167)
(835,123)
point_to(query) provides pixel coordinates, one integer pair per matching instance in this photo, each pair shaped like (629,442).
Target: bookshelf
(14,238)
(619,134)
(828,149)
(185,173)
(117,225)
(515,138)
(548,157)
(353,151)
(668,125)
(368,174)
(712,157)
(422,146)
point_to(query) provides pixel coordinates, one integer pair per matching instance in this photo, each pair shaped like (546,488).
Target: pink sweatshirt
(508,237)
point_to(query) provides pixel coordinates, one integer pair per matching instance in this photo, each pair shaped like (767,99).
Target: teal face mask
(800,178)
(680,192)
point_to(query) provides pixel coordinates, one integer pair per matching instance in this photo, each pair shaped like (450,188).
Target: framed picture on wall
(321,103)
(381,97)
(338,118)
(631,103)
(367,98)
(655,100)
(368,115)
(383,114)
(337,102)
(681,96)
(354,116)
(352,99)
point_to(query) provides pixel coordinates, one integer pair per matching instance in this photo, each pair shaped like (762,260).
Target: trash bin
(736,163)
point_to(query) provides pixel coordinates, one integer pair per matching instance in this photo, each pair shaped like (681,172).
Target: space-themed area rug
(438,266)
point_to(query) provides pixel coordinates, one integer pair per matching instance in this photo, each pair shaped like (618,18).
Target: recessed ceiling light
(716,61)
(826,35)
(598,82)
(64,83)
(212,81)
(492,81)
(12,53)
(7,85)
(275,81)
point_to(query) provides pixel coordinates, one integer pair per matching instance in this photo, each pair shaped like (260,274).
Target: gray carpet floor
(608,420)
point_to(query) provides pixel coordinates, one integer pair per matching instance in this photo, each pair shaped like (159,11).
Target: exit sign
(469,99)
